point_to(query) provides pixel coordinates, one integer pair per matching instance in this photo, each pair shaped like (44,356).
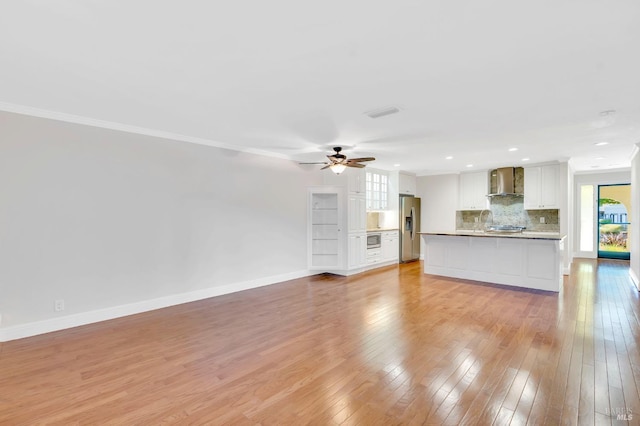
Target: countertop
(382,229)
(529,235)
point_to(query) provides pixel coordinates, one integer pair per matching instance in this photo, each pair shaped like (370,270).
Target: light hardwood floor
(392,346)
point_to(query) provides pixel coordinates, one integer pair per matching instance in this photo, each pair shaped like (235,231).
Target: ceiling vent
(381,112)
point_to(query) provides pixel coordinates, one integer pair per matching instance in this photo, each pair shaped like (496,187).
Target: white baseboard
(355,271)
(60,323)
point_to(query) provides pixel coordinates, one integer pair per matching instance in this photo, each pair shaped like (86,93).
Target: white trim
(60,323)
(112,125)
(586,254)
(361,269)
(634,278)
(634,151)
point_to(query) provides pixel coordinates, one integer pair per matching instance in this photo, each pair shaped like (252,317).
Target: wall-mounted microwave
(374,240)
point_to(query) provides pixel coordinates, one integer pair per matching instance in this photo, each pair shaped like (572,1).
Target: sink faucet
(486,219)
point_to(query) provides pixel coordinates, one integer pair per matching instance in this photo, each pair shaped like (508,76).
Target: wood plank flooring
(393,346)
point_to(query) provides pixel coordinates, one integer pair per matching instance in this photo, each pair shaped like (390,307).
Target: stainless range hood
(507,181)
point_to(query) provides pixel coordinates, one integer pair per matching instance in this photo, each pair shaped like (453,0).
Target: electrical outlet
(542,220)
(477,219)
(58,305)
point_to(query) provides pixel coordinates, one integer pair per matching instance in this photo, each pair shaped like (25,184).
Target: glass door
(614,213)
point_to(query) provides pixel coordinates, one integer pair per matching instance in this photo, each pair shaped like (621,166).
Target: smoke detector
(381,112)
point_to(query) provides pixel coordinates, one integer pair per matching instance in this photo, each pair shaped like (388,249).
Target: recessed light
(525,159)
(513,149)
(448,157)
(469,165)
(396,165)
(601,143)
(599,158)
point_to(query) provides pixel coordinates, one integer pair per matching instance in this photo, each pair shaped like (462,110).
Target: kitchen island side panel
(528,263)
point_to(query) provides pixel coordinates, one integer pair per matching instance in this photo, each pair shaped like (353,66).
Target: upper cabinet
(377,189)
(356,184)
(474,188)
(406,184)
(356,214)
(353,179)
(542,187)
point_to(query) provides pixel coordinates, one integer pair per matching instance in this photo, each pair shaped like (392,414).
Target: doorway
(614,214)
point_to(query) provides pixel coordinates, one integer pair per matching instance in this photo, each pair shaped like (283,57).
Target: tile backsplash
(373,220)
(509,210)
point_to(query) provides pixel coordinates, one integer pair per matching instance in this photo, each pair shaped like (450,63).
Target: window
(377,190)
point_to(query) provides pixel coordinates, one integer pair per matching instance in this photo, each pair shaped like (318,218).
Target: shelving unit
(325,230)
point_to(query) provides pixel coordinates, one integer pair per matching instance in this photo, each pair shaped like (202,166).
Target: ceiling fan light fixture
(337,168)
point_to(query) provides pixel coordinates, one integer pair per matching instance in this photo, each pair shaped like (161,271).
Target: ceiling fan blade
(359,160)
(357,165)
(317,162)
(326,167)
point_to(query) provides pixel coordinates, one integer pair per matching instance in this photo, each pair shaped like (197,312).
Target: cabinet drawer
(373,255)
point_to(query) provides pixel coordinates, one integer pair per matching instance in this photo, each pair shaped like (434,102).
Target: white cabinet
(542,187)
(357,214)
(522,262)
(353,179)
(356,228)
(374,256)
(390,246)
(474,188)
(357,248)
(325,233)
(356,181)
(406,184)
(337,230)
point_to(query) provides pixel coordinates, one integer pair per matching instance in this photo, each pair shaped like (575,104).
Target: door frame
(595,179)
(609,254)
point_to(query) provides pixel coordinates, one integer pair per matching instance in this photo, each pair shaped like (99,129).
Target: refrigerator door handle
(413,222)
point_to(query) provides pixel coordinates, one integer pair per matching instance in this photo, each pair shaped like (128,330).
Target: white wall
(439,202)
(439,196)
(635,219)
(106,219)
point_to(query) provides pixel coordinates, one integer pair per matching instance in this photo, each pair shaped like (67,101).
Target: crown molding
(127,128)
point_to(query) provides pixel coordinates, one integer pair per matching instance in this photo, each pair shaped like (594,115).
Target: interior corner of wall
(634,278)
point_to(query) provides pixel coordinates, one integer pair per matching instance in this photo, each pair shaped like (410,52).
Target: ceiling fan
(339,162)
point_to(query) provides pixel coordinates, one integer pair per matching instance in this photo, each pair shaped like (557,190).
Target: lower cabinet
(390,246)
(359,258)
(374,256)
(357,249)
(388,252)
(522,262)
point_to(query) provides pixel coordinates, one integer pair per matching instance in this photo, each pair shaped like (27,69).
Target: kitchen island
(527,259)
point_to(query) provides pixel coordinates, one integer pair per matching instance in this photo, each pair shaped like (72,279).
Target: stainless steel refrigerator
(409,228)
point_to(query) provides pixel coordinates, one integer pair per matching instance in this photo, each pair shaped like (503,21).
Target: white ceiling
(472,78)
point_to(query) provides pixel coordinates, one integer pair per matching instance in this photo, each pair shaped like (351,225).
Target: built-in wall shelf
(325,230)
